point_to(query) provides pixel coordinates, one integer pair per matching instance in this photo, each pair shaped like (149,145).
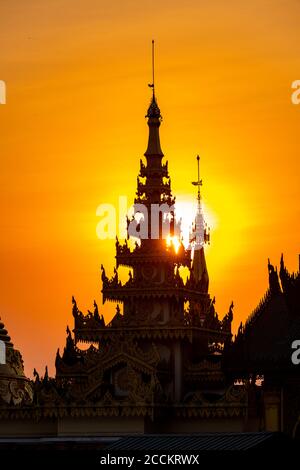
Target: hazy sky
(73,131)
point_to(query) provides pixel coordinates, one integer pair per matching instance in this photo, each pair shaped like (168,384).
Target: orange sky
(73,131)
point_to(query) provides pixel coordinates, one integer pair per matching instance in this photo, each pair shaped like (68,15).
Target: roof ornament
(152,85)
(75,310)
(198,183)
(153,110)
(200,234)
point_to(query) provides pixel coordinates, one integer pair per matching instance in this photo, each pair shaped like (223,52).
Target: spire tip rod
(151,85)
(153,65)
(198,183)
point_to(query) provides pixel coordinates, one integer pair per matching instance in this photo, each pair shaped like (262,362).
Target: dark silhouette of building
(165,363)
(262,351)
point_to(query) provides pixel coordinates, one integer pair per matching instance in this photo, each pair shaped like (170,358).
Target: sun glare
(186,208)
(173,241)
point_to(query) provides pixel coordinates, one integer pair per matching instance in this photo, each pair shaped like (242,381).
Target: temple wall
(27,428)
(87,426)
(100,426)
(272,405)
(177,371)
(182,426)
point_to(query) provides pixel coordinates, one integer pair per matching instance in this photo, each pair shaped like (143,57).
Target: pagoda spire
(154,119)
(200,232)
(199,237)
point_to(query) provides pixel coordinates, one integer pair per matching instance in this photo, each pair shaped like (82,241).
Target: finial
(36,375)
(74,308)
(199,181)
(153,110)
(152,85)
(46,376)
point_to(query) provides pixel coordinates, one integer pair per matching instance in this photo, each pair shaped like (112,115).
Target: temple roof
(264,342)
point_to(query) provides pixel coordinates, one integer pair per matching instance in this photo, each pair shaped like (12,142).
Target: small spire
(200,232)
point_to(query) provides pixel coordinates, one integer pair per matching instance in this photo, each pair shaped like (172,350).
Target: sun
(173,241)
(186,209)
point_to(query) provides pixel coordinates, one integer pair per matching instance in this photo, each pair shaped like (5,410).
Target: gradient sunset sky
(73,131)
